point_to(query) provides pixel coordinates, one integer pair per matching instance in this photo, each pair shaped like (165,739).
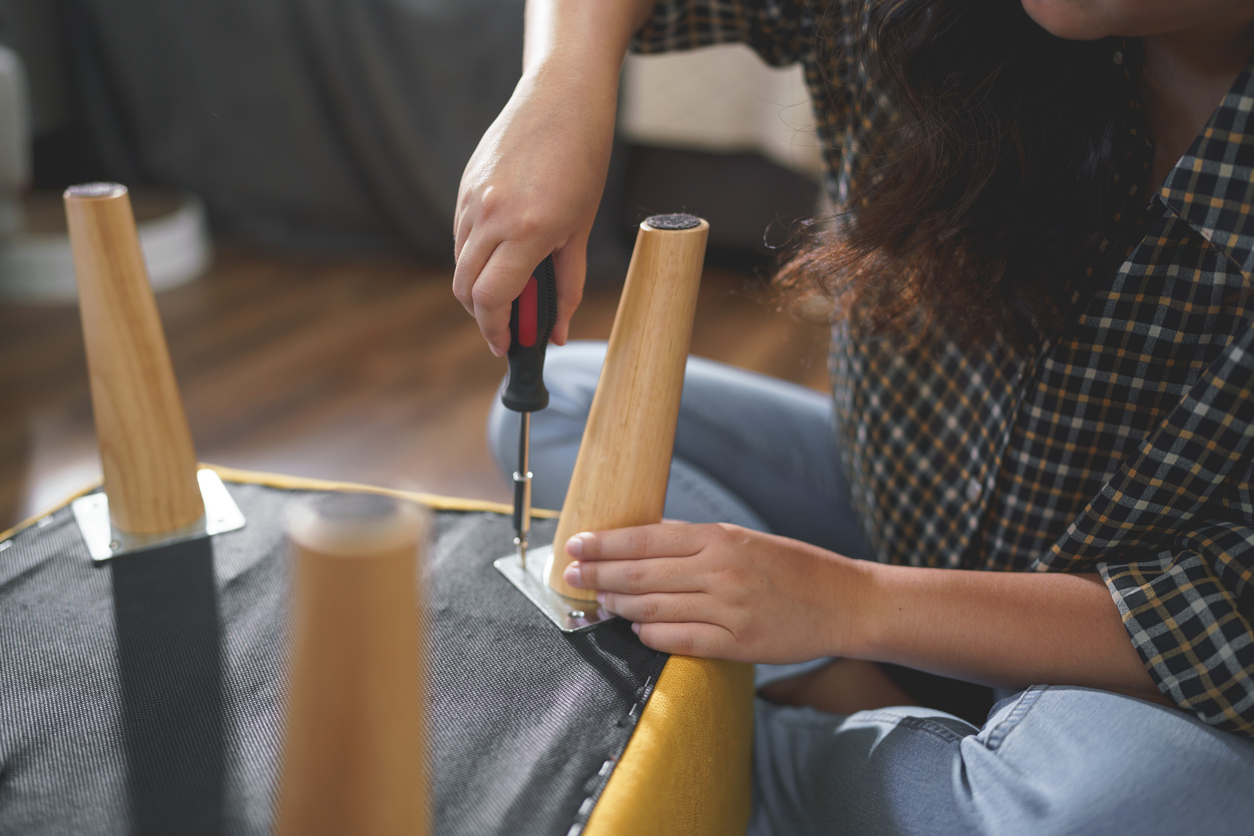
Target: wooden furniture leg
(353,757)
(145,446)
(624,460)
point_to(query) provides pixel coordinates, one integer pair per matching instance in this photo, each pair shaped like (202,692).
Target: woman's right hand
(533,185)
(532,188)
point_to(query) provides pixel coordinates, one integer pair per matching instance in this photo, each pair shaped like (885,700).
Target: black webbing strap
(166,616)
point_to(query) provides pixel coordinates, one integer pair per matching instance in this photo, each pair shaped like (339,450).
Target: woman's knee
(1071,760)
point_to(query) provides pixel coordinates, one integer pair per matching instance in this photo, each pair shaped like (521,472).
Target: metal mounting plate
(104,541)
(570,615)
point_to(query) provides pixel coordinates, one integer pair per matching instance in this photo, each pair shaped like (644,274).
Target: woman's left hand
(723,591)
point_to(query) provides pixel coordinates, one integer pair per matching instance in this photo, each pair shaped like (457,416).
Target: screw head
(576,614)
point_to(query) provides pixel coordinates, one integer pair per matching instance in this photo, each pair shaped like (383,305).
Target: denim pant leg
(749,449)
(1049,760)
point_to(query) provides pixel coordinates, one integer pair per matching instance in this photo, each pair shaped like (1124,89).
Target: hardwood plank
(358,369)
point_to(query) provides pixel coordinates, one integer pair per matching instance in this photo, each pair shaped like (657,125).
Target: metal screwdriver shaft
(531,322)
(522,488)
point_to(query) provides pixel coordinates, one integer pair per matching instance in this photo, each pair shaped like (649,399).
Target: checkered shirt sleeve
(779,30)
(1184,613)
(1173,537)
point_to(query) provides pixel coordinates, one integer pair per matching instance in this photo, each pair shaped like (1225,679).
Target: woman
(1043,364)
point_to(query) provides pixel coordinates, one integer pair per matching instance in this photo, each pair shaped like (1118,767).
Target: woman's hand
(533,185)
(723,591)
(532,188)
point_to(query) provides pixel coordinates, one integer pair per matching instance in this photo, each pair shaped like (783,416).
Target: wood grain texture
(146,448)
(624,459)
(354,757)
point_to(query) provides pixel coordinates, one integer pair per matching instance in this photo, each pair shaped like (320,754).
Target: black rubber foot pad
(677,221)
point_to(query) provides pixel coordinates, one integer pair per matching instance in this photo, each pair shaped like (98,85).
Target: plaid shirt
(1125,446)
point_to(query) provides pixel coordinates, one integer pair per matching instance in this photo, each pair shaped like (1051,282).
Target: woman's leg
(749,449)
(1050,760)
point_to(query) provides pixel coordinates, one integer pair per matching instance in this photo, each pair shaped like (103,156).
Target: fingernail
(495,350)
(574,546)
(573,574)
(600,597)
(635,628)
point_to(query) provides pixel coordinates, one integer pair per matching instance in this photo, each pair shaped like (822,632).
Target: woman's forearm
(1007,629)
(579,36)
(726,592)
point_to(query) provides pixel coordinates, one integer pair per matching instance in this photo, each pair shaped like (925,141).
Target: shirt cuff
(1187,613)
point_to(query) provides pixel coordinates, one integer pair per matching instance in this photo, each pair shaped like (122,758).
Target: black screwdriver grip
(531,321)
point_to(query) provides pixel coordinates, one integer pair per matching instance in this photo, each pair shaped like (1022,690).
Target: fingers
(571,265)
(490,274)
(644,541)
(688,639)
(681,607)
(470,262)
(635,577)
(489,295)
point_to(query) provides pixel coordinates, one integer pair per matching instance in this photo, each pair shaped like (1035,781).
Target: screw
(576,613)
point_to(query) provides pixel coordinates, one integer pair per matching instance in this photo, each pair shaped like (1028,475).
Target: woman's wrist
(857,619)
(568,79)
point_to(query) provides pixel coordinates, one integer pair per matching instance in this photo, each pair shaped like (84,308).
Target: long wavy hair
(993,188)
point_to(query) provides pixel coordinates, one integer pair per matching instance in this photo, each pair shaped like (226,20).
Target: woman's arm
(1007,629)
(726,592)
(581,36)
(533,185)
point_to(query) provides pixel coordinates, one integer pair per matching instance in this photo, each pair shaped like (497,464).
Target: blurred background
(294,168)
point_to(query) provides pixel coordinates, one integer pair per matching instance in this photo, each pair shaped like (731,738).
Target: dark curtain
(301,123)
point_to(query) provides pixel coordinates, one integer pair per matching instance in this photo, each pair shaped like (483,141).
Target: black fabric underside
(525,723)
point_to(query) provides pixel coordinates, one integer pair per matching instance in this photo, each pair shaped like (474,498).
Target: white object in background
(38,265)
(721,98)
(14,141)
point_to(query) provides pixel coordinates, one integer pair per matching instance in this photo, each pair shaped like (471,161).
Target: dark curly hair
(993,188)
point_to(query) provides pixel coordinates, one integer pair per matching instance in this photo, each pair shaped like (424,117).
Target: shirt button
(974,489)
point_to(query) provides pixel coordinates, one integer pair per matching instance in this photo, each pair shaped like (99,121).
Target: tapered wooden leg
(624,459)
(145,446)
(353,758)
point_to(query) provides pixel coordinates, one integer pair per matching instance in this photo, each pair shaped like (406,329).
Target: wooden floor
(359,370)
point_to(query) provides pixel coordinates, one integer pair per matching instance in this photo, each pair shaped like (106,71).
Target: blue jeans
(760,453)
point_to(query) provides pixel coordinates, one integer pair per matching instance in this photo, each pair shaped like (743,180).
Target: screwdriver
(531,322)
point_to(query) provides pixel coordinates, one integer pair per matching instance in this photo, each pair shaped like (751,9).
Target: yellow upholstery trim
(686,770)
(431,500)
(29,521)
(275,480)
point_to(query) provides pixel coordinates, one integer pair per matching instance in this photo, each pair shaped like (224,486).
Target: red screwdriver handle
(531,321)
